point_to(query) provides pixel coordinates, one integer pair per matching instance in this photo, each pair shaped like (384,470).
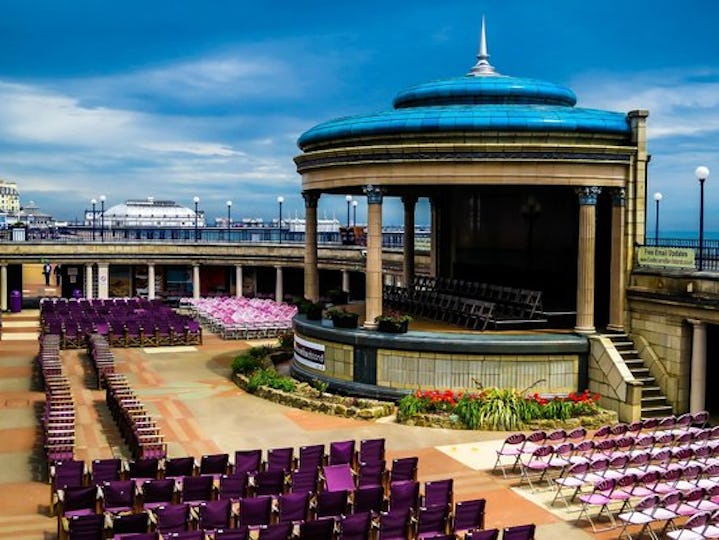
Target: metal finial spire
(482,67)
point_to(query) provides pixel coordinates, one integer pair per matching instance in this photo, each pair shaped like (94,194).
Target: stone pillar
(196,281)
(238,280)
(151,281)
(409,202)
(373,265)
(3,287)
(103,280)
(617,273)
(88,281)
(434,236)
(346,281)
(585,258)
(697,378)
(279,285)
(312,276)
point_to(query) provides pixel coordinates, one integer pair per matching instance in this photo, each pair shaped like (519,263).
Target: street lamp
(348,198)
(280,200)
(102,217)
(354,214)
(94,202)
(657,199)
(229,208)
(196,200)
(702,173)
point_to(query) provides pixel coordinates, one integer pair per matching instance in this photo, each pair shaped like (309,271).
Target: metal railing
(706,259)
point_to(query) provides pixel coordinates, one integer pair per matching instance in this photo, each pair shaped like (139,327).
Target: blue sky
(179,98)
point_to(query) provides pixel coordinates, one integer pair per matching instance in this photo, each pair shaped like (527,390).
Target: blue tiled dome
(485,90)
(474,103)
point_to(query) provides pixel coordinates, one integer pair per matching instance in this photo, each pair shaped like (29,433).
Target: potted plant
(393,322)
(341,318)
(314,310)
(338,296)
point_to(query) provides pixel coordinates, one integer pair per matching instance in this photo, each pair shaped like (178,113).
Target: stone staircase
(654,403)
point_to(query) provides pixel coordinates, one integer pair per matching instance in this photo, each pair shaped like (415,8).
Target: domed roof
(496,89)
(149,208)
(483,100)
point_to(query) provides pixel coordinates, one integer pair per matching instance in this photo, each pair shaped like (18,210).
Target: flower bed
(306,397)
(501,409)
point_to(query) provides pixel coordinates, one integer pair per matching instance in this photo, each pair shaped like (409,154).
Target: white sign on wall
(309,353)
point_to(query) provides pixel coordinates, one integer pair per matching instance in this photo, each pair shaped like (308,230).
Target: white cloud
(680,103)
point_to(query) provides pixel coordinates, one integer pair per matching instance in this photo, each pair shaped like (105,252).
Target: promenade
(200,410)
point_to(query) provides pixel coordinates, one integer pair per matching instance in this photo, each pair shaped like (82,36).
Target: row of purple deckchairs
(520,444)
(135,423)
(58,417)
(131,322)
(242,318)
(285,516)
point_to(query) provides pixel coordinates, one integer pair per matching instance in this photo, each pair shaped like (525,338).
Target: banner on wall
(309,353)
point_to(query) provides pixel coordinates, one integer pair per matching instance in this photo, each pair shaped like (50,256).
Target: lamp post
(229,218)
(354,213)
(657,200)
(196,200)
(93,202)
(280,200)
(102,217)
(702,173)
(348,198)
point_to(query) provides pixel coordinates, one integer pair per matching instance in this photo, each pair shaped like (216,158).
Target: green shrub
(260,352)
(270,378)
(286,340)
(246,364)
(410,405)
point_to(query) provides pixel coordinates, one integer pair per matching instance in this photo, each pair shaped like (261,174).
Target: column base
(615,328)
(585,330)
(369,325)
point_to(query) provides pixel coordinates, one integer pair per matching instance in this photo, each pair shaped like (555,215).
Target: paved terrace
(201,411)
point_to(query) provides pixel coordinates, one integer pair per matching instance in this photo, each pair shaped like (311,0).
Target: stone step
(651,391)
(629,352)
(646,381)
(634,362)
(656,411)
(654,400)
(639,372)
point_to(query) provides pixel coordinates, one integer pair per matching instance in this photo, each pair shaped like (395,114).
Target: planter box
(393,327)
(314,312)
(346,321)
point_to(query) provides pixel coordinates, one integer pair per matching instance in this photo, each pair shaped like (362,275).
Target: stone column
(585,258)
(88,281)
(616,277)
(697,378)
(346,281)
(3,287)
(151,281)
(196,281)
(312,276)
(238,280)
(103,280)
(373,265)
(409,202)
(279,285)
(434,236)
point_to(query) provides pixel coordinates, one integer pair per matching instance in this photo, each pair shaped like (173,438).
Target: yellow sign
(667,257)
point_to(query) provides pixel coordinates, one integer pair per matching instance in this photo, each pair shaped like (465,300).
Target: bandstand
(526,190)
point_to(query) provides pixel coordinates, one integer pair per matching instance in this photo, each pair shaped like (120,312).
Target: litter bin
(15,302)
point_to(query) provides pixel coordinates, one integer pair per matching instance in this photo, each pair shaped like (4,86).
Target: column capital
(374,193)
(409,200)
(619,196)
(696,322)
(588,195)
(311,198)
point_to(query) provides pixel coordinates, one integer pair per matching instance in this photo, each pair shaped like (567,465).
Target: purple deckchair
(196,489)
(338,477)
(172,518)
(278,531)
(432,521)
(293,507)
(118,496)
(215,515)
(356,526)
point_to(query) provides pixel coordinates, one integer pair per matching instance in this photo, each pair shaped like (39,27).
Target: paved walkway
(201,411)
